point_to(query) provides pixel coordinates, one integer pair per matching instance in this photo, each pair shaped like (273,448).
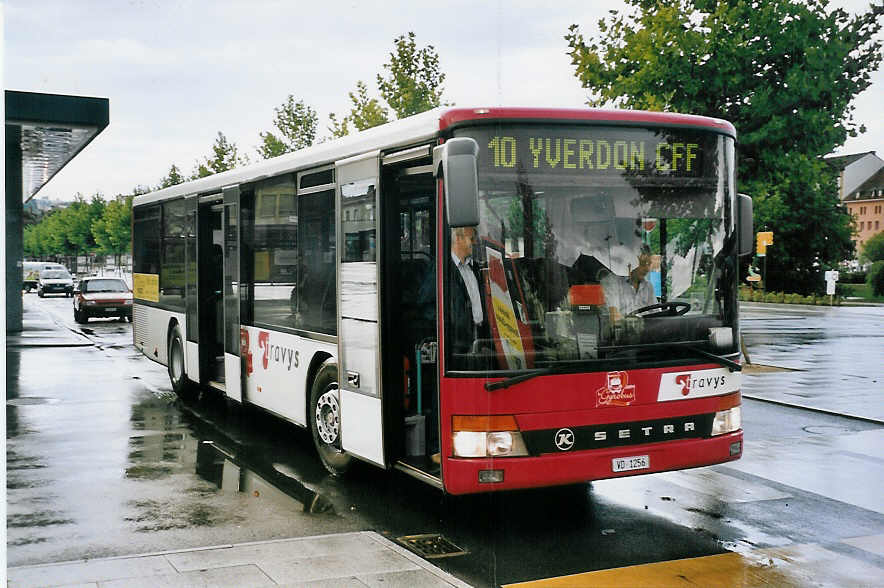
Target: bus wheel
(183,387)
(325,420)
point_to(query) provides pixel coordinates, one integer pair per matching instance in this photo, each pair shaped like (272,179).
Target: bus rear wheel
(325,420)
(182,386)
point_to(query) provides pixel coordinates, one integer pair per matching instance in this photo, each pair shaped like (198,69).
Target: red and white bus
(319,286)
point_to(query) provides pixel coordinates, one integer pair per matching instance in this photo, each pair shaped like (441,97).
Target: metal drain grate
(431,545)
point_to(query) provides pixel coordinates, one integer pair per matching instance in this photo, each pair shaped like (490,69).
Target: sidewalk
(349,559)
(40,330)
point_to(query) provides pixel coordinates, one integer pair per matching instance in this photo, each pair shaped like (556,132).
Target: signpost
(831,278)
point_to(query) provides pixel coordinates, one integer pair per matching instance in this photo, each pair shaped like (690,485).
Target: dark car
(102,297)
(55,281)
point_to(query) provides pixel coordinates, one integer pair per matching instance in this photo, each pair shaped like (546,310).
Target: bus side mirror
(456,161)
(744,225)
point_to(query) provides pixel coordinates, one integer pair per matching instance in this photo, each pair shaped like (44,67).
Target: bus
(322,287)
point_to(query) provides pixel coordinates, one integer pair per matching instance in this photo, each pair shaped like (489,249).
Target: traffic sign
(762,240)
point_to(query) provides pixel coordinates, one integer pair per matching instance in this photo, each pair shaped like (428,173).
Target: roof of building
(865,190)
(842,161)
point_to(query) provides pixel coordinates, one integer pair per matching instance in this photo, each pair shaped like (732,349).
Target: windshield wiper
(558,368)
(517,379)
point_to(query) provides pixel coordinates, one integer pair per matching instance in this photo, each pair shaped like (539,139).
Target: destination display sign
(585,150)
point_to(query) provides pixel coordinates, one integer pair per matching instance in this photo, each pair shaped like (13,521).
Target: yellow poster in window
(146,287)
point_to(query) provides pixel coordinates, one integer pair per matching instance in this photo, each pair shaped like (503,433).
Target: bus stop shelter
(43,133)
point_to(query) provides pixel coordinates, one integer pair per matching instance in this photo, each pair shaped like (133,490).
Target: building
(853,170)
(866,204)
(861,189)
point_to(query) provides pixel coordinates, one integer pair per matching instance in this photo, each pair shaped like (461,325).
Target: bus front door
(358,303)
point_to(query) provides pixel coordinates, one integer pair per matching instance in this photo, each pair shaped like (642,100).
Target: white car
(55,281)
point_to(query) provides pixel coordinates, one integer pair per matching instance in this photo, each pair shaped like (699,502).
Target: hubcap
(328,416)
(177,362)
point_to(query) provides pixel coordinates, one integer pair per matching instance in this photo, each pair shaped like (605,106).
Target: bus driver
(626,294)
(466,305)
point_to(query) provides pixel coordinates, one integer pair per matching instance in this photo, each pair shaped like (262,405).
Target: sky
(178,71)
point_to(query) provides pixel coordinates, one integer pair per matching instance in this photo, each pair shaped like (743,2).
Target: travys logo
(697,384)
(284,356)
(691,382)
(617,391)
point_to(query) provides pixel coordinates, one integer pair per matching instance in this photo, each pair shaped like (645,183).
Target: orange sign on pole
(763,239)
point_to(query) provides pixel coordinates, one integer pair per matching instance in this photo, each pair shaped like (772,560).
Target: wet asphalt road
(102,460)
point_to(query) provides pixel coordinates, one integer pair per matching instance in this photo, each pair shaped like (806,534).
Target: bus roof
(417,129)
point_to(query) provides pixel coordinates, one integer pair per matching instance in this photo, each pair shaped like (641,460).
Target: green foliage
(873,249)
(365,113)
(876,278)
(338,128)
(296,124)
(113,231)
(173,178)
(271,146)
(783,72)
(412,82)
(225,156)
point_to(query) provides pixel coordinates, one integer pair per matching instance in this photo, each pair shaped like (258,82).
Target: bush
(758,296)
(852,277)
(781,297)
(873,250)
(875,279)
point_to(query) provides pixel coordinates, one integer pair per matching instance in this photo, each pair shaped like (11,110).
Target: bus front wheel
(325,420)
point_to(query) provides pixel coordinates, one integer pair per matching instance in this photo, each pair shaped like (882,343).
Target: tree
(225,156)
(412,82)
(783,72)
(173,178)
(873,249)
(338,128)
(113,231)
(296,124)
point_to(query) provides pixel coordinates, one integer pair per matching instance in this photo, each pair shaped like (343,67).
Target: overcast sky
(177,72)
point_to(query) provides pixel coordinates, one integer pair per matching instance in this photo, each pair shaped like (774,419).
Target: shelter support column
(14,223)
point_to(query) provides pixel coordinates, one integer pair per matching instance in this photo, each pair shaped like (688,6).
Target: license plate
(635,462)
(110,308)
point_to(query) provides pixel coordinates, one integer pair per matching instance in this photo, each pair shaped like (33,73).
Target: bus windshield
(583,228)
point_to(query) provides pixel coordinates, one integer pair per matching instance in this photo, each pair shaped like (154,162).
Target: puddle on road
(167,445)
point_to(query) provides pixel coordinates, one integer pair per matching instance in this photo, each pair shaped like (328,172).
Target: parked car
(55,281)
(102,297)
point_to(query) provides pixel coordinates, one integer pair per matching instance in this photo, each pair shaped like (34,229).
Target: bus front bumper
(462,476)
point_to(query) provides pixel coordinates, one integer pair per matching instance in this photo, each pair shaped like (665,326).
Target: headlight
(727,421)
(128,302)
(469,442)
(91,302)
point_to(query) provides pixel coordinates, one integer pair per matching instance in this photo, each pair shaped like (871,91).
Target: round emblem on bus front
(564,439)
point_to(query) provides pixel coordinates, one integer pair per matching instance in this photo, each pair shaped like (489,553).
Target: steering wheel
(673,308)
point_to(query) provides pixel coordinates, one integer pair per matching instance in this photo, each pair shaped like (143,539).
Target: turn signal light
(487,436)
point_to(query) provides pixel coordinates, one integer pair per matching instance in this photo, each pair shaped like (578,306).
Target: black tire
(81,317)
(183,387)
(326,426)
(40,293)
